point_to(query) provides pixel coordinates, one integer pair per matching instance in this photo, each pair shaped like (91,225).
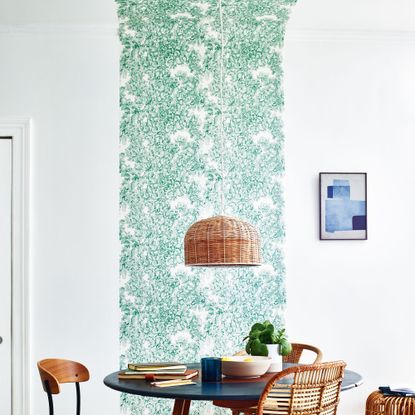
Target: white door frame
(19,129)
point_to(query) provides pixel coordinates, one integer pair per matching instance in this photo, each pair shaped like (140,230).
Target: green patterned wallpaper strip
(171,175)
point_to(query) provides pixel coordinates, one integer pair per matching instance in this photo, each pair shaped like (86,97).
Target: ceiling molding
(60,29)
(311,35)
(294,35)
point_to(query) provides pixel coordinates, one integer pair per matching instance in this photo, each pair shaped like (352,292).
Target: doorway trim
(19,129)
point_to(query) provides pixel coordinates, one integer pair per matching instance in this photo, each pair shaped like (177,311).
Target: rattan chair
(296,353)
(315,390)
(378,404)
(293,357)
(53,372)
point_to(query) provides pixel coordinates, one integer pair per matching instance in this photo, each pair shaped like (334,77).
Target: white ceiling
(54,12)
(350,15)
(368,15)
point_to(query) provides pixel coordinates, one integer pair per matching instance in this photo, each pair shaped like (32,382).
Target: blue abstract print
(342,213)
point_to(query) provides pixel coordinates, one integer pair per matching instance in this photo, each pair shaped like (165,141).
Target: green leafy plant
(264,333)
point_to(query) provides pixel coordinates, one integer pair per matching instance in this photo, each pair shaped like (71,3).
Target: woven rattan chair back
(315,390)
(296,353)
(53,372)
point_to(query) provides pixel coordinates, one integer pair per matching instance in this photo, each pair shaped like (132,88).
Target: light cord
(222,120)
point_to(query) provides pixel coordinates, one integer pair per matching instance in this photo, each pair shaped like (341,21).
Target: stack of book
(158,371)
(398,390)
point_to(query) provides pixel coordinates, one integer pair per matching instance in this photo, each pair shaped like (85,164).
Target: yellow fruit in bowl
(226,359)
(248,359)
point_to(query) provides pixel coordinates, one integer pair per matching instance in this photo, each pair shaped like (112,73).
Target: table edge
(159,392)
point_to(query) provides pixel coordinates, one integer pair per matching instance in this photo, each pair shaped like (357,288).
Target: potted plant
(263,340)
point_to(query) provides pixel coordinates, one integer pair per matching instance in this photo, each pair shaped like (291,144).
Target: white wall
(57,12)
(350,106)
(338,15)
(66,79)
(350,102)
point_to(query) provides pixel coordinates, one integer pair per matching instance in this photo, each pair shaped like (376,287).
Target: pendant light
(222,240)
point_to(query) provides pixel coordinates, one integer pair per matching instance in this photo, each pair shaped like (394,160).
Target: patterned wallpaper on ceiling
(170,174)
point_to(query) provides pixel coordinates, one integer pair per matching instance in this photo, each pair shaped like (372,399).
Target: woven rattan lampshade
(221,241)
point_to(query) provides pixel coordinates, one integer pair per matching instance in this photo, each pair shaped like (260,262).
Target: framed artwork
(343,206)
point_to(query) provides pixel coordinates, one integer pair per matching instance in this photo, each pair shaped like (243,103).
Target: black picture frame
(343,225)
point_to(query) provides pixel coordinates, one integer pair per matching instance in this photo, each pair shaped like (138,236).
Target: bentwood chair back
(296,353)
(315,390)
(53,372)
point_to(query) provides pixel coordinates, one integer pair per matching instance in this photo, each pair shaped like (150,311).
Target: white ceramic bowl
(245,366)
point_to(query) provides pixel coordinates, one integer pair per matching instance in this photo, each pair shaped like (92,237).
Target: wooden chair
(53,372)
(296,353)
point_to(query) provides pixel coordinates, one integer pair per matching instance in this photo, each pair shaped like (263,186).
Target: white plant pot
(276,358)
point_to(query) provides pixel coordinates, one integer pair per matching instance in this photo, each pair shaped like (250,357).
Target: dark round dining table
(227,389)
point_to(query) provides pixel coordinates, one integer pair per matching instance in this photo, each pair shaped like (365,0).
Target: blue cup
(211,369)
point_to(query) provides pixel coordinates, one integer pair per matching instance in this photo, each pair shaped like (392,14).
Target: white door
(5,274)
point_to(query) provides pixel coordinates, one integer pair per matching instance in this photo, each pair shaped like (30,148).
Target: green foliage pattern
(170,174)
